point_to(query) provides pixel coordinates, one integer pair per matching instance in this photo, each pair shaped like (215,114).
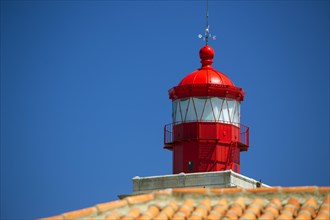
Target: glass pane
(199,105)
(191,115)
(239,112)
(174,106)
(231,108)
(177,112)
(236,116)
(216,104)
(184,105)
(208,113)
(224,115)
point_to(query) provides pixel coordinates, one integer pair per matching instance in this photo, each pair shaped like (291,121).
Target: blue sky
(84,93)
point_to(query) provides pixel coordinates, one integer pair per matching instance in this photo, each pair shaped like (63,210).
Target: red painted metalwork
(214,90)
(201,145)
(214,131)
(206,81)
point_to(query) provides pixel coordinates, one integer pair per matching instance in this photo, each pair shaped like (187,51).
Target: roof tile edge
(145,198)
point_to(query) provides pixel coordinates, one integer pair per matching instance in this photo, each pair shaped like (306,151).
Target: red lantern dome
(206,74)
(206,134)
(206,81)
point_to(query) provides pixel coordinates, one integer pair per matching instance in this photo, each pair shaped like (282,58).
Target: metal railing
(169,135)
(244,136)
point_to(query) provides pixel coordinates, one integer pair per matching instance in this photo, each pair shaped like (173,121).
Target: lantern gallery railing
(244,137)
(169,134)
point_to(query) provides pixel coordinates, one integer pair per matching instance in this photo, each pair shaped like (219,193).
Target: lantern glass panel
(178,113)
(191,115)
(224,115)
(237,113)
(216,104)
(212,109)
(184,105)
(199,105)
(208,113)
(231,109)
(174,109)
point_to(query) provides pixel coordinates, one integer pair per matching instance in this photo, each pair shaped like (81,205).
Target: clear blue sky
(84,93)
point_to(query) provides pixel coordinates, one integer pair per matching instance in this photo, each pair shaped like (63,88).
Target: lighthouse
(206,134)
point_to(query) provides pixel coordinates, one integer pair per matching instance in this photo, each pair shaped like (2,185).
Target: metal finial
(207,29)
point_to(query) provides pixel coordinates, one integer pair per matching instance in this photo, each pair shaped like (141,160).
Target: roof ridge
(181,192)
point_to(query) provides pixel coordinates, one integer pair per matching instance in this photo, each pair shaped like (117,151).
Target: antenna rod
(207,13)
(207,29)
(207,23)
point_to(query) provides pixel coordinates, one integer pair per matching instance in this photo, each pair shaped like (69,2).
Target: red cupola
(206,134)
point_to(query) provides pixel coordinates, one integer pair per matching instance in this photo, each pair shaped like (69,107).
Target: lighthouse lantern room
(206,134)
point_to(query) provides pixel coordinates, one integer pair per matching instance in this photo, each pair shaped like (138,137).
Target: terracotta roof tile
(133,213)
(226,190)
(266,190)
(139,199)
(113,216)
(304,203)
(272,209)
(103,207)
(168,211)
(218,210)
(151,213)
(190,190)
(185,209)
(80,213)
(57,217)
(201,210)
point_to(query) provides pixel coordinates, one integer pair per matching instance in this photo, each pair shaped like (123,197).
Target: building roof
(214,203)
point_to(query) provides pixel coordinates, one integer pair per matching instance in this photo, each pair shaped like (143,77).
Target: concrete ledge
(219,179)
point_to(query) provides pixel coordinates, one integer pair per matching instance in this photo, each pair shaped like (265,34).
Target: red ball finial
(206,54)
